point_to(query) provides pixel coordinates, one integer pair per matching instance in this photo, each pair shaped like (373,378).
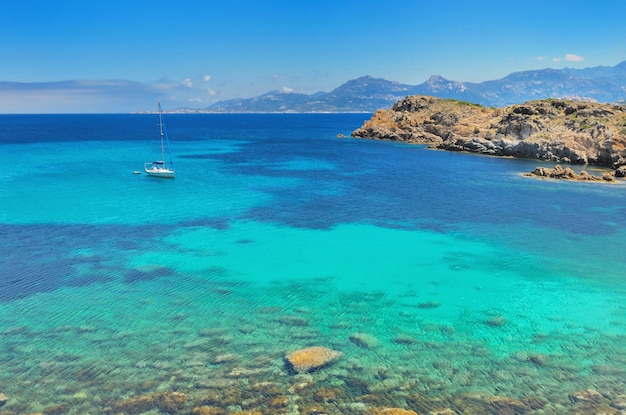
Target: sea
(450,283)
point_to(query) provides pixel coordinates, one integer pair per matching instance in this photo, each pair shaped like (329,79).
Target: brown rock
(559,172)
(171,402)
(327,394)
(312,358)
(534,402)
(314,409)
(57,410)
(208,410)
(278,402)
(390,411)
(3,399)
(218,396)
(597,409)
(266,388)
(442,411)
(508,406)
(136,405)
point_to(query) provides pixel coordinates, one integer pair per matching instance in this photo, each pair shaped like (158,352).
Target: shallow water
(474,281)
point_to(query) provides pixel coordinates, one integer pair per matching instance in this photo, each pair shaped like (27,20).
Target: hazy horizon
(114,56)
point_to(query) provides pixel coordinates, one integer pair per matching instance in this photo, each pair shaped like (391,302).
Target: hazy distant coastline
(605,84)
(362,95)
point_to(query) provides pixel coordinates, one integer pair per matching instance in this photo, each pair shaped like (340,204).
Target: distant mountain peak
(367,93)
(438,83)
(435,79)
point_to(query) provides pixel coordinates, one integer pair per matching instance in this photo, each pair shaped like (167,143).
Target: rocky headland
(552,130)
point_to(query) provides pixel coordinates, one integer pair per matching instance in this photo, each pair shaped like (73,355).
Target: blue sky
(122,56)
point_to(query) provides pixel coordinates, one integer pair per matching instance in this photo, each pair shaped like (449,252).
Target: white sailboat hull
(158,171)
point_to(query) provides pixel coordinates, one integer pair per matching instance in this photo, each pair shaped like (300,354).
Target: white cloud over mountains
(569,57)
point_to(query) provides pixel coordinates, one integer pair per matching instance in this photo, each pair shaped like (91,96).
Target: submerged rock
(167,402)
(508,406)
(619,402)
(208,410)
(290,320)
(3,399)
(367,341)
(538,359)
(171,403)
(312,358)
(586,396)
(496,321)
(429,304)
(225,358)
(390,411)
(442,411)
(136,405)
(404,339)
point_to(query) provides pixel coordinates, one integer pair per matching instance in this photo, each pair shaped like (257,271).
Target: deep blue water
(116,273)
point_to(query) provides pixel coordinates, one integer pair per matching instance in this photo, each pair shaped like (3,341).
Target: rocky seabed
(337,359)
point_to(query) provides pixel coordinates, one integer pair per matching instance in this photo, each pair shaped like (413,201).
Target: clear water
(276,235)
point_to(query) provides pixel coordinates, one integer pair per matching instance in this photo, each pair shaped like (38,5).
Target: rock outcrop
(553,130)
(559,172)
(312,358)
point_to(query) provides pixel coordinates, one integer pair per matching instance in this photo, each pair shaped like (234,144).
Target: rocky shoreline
(551,130)
(567,173)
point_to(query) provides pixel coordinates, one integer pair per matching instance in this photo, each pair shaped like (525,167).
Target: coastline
(561,131)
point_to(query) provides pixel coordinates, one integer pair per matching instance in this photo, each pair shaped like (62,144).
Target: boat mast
(161,131)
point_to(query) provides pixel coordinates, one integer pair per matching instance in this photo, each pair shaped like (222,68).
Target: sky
(68,56)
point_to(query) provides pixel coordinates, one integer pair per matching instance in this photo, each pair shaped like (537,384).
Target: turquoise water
(276,235)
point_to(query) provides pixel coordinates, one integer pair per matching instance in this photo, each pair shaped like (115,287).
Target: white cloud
(211,92)
(187,82)
(287,90)
(570,57)
(207,78)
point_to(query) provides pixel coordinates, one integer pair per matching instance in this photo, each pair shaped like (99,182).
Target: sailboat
(160,168)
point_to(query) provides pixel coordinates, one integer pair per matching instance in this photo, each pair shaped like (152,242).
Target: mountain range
(606,84)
